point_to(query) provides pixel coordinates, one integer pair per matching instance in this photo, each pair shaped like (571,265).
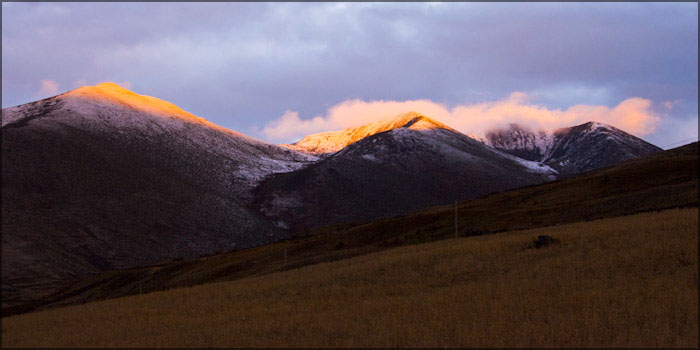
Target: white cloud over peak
(48,88)
(634,115)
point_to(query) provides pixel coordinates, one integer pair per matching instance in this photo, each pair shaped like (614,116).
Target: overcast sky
(279,71)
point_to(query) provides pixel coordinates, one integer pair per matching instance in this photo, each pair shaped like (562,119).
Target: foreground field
(626,281)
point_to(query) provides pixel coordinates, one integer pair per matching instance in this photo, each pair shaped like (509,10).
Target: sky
(280,71)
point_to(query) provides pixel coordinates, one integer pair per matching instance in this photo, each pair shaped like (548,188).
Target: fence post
(455,218)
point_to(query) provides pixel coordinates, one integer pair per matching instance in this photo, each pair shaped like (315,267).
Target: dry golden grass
(626,281)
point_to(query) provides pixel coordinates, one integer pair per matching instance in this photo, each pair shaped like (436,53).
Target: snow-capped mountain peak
(112,109)
(134,180)
(598,127)
(333,141)
(570,150)
(115,94)
(529,144)
(90,99)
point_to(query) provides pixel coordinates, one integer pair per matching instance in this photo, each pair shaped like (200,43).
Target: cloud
(634,115)
(289,126)
(124,84)
(79,83)
(48,87)
(304,56)
(670,105)
(85,82)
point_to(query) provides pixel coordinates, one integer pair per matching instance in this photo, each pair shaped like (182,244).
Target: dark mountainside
(85,190)
(417,164)
(571,150)
(659,181)
(101,178)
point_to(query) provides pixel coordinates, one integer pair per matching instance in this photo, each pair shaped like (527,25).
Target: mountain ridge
(416,163)
(93,181)
(333,141)
(101,178)
(572,149)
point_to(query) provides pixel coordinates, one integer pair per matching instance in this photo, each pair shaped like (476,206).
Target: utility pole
(455,218)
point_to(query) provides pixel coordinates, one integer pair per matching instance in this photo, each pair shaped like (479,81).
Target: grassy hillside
(625,281)
(664,180)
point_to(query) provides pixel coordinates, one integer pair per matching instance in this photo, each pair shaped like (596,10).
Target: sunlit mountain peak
(417,121)
(333,141)
(112,93)
(110,104)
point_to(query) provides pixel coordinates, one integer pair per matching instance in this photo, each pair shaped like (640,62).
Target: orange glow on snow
(115,94)
(336,140)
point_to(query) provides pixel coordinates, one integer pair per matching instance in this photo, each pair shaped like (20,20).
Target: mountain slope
(663,180)
(417,163)
(593,145)
(101,178)
(571,150)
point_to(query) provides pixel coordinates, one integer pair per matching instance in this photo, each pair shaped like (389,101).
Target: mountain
(663,180)
(330,142)
(570,150)
(520,141)
(100,178)
(389,168)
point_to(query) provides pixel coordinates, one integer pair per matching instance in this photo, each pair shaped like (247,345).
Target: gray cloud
(242,65)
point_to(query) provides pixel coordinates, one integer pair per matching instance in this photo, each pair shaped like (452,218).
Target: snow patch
(281,224)
(531,166)
(370,157)
(536,167)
